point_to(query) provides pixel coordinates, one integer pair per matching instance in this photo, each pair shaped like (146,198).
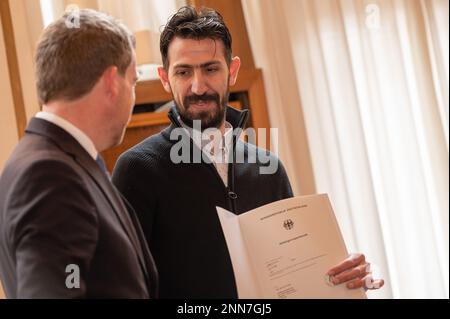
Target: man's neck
(76,115)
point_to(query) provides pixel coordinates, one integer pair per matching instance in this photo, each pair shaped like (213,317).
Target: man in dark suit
(65,231)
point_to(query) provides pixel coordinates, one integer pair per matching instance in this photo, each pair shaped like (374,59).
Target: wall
(8,127)
(27,25)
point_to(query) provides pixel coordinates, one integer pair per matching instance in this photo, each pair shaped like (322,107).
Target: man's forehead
(192,49)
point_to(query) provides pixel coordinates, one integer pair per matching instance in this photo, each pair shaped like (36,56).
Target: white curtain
(141,14)
(138,15)
(372,81)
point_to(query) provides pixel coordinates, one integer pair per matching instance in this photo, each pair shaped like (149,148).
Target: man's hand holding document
(285,249)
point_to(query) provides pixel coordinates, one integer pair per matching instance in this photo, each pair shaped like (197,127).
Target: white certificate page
(284,249)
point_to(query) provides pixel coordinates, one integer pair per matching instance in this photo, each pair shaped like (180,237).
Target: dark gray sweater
(176,205)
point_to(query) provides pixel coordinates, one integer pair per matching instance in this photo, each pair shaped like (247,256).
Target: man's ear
(234,69)
(110,82)
(164,77)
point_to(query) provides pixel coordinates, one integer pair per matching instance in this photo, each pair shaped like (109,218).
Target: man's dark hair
(188,23)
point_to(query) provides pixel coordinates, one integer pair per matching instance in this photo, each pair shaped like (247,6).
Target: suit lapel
(69,145)
(150,262)
(113,196)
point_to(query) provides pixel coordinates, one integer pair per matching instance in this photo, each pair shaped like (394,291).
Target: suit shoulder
(35,148)
(32,185)
(35,162)
(40,170)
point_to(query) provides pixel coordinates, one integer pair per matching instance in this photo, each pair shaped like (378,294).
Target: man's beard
(212,117)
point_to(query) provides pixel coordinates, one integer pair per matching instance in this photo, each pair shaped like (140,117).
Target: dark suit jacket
(58,208)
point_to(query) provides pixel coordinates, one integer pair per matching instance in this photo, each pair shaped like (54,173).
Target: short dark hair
(188,23)
(71,59)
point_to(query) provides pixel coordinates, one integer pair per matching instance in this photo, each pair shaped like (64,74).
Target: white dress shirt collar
(207,144)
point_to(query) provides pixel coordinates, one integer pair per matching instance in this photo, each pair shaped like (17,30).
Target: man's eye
(182,72)
(212,70)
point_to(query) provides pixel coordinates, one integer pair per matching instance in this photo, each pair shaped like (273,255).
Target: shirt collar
(206,143)
(76,133)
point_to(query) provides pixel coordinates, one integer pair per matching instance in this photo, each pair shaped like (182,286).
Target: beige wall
(27,24)
(8,127)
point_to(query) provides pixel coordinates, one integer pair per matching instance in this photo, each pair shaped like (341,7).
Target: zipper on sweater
(230,193)
(232,196)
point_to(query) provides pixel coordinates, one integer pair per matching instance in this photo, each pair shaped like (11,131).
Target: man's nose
(199,86)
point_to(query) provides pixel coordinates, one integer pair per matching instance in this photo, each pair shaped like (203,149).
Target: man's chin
(206,120)
(209,115)
(203,106)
